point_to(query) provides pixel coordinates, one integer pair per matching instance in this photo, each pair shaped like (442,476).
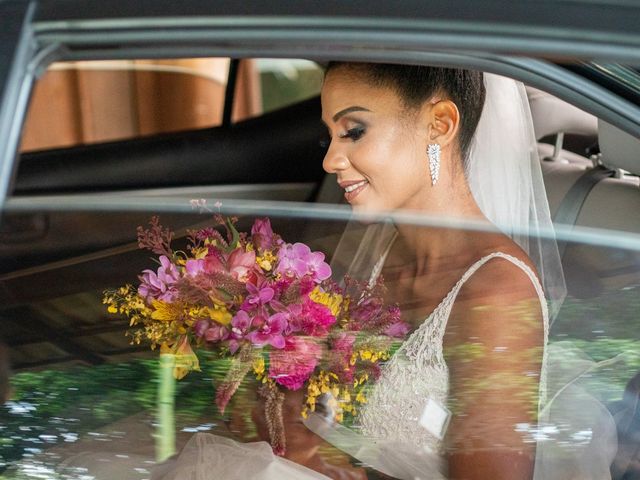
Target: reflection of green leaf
(607,382)
(464,353)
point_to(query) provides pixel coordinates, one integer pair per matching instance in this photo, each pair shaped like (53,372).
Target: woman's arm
(493,347)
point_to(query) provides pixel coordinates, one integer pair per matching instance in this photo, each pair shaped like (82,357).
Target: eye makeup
(354,133)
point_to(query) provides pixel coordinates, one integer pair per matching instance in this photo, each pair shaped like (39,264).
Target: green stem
(166,433)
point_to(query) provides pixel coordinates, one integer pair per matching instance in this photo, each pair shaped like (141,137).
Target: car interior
(53,265)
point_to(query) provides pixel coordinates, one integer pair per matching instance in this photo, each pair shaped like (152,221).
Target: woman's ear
(444,122)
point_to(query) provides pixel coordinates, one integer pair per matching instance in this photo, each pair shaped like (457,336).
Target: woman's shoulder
(504,273)
(502,291)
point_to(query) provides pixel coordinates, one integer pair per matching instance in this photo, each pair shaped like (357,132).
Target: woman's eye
(354,133)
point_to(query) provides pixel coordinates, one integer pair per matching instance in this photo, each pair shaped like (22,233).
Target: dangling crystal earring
(434,162)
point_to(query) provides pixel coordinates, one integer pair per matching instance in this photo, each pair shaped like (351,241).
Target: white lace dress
(418,374)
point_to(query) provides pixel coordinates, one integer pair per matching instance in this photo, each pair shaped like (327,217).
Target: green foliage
(79,400)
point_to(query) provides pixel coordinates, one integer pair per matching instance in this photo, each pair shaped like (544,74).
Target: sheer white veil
(505,176)
(504,173)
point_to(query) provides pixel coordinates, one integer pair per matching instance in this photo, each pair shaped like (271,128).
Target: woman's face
(378,147)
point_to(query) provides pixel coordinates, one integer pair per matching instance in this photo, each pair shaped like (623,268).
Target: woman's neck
(432,245)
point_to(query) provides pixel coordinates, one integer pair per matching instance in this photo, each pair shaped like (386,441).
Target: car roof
(588,21)
(594,15)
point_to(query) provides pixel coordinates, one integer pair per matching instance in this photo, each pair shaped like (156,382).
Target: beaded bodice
(417,372)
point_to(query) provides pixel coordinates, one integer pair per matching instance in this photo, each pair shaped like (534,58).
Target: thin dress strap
(517,262)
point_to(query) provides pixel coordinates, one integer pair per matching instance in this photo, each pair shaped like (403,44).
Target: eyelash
(354,134)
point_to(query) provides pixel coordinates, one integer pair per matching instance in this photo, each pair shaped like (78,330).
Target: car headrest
(552,116)
(619,149)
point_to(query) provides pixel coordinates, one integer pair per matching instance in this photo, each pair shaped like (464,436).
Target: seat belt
(573,201)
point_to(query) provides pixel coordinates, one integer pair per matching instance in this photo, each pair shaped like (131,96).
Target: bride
(461,397)
(401,137)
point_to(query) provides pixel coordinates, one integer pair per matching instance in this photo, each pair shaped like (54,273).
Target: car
(114,111)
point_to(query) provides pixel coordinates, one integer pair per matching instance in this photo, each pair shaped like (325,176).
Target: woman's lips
(353,189)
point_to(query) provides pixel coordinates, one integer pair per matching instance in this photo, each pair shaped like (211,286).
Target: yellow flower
(167,312)
(266,260)
(366,354)
(199,253)
(219,313)
(184,357)
(332,301)
(258,367)
(360,398)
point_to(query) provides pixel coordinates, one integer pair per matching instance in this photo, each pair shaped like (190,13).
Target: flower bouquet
(268,305)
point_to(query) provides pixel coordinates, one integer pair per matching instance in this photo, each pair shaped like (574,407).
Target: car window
(100,101)
(286,81)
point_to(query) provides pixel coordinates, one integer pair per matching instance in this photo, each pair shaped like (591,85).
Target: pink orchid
(258,295)
(194,267)
(398,329)
(160,285)
(270,330)
(294,364)
(319,269)
(240,325)
(292,260)
(298,260)
(211,331)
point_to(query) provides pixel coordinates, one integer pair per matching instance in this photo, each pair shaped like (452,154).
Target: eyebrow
(347,110)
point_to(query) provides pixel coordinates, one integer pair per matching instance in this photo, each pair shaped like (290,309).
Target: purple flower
(160,285)
(211,331)
(319,269)
(269,330)
(258,295)
(194,267)
(216,333)
(398,329)
(262,234)
(298,260)
(239,328)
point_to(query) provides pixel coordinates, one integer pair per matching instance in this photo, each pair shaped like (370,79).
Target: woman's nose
(335,160)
